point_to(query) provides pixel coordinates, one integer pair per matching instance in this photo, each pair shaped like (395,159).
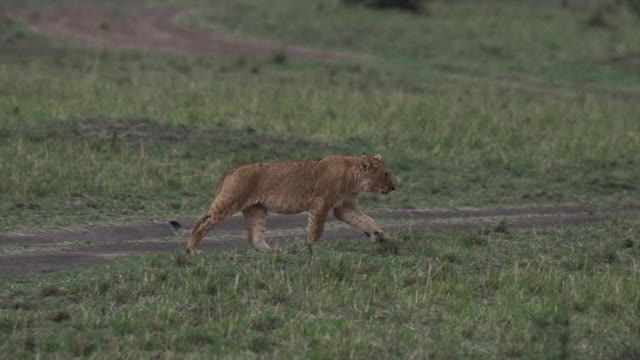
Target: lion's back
(283,187)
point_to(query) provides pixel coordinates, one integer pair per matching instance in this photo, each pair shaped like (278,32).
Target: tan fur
(292,187)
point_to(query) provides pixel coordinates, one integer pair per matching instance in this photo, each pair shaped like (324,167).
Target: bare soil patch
(627,60)
(34,253)
(156,28)
(137,130)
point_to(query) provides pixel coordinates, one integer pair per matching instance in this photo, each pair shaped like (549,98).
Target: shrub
(634,5)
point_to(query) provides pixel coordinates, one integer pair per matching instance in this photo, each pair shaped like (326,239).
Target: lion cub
(293,187)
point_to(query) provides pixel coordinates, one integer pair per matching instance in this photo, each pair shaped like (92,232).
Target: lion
(318,187)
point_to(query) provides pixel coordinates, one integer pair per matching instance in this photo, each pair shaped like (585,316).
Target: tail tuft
(176,226)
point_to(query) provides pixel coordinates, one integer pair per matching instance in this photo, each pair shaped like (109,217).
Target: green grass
(476,105)
(457,125)
(520,36)
(564,293)
(449,141)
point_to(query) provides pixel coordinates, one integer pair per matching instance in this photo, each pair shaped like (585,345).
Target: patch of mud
(141,130)
(627,60)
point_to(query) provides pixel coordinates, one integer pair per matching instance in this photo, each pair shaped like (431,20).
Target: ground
(27,254)
(511,129)
(160,29)
(157,29)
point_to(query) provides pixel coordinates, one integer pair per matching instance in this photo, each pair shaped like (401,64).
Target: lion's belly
(284,206)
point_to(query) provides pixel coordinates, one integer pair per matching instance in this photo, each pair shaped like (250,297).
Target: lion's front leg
(353,216)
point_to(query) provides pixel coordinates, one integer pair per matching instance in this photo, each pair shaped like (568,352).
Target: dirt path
(157,28)
(28,254)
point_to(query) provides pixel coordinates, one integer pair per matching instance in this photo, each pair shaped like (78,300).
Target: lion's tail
(177,226)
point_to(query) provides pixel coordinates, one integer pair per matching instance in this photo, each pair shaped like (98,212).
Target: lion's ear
(377,156)
(366,165)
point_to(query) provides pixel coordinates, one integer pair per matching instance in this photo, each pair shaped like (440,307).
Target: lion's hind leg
(219,211)
(256,219)
(197,233)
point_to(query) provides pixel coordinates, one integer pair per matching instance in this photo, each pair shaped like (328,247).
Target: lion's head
(374,175)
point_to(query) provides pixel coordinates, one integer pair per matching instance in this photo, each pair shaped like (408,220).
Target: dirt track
(28,254)
(157,28)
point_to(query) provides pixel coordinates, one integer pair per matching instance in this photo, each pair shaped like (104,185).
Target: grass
(475,105)
(538,38)
(536,126)
(450,142)
(562,293)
